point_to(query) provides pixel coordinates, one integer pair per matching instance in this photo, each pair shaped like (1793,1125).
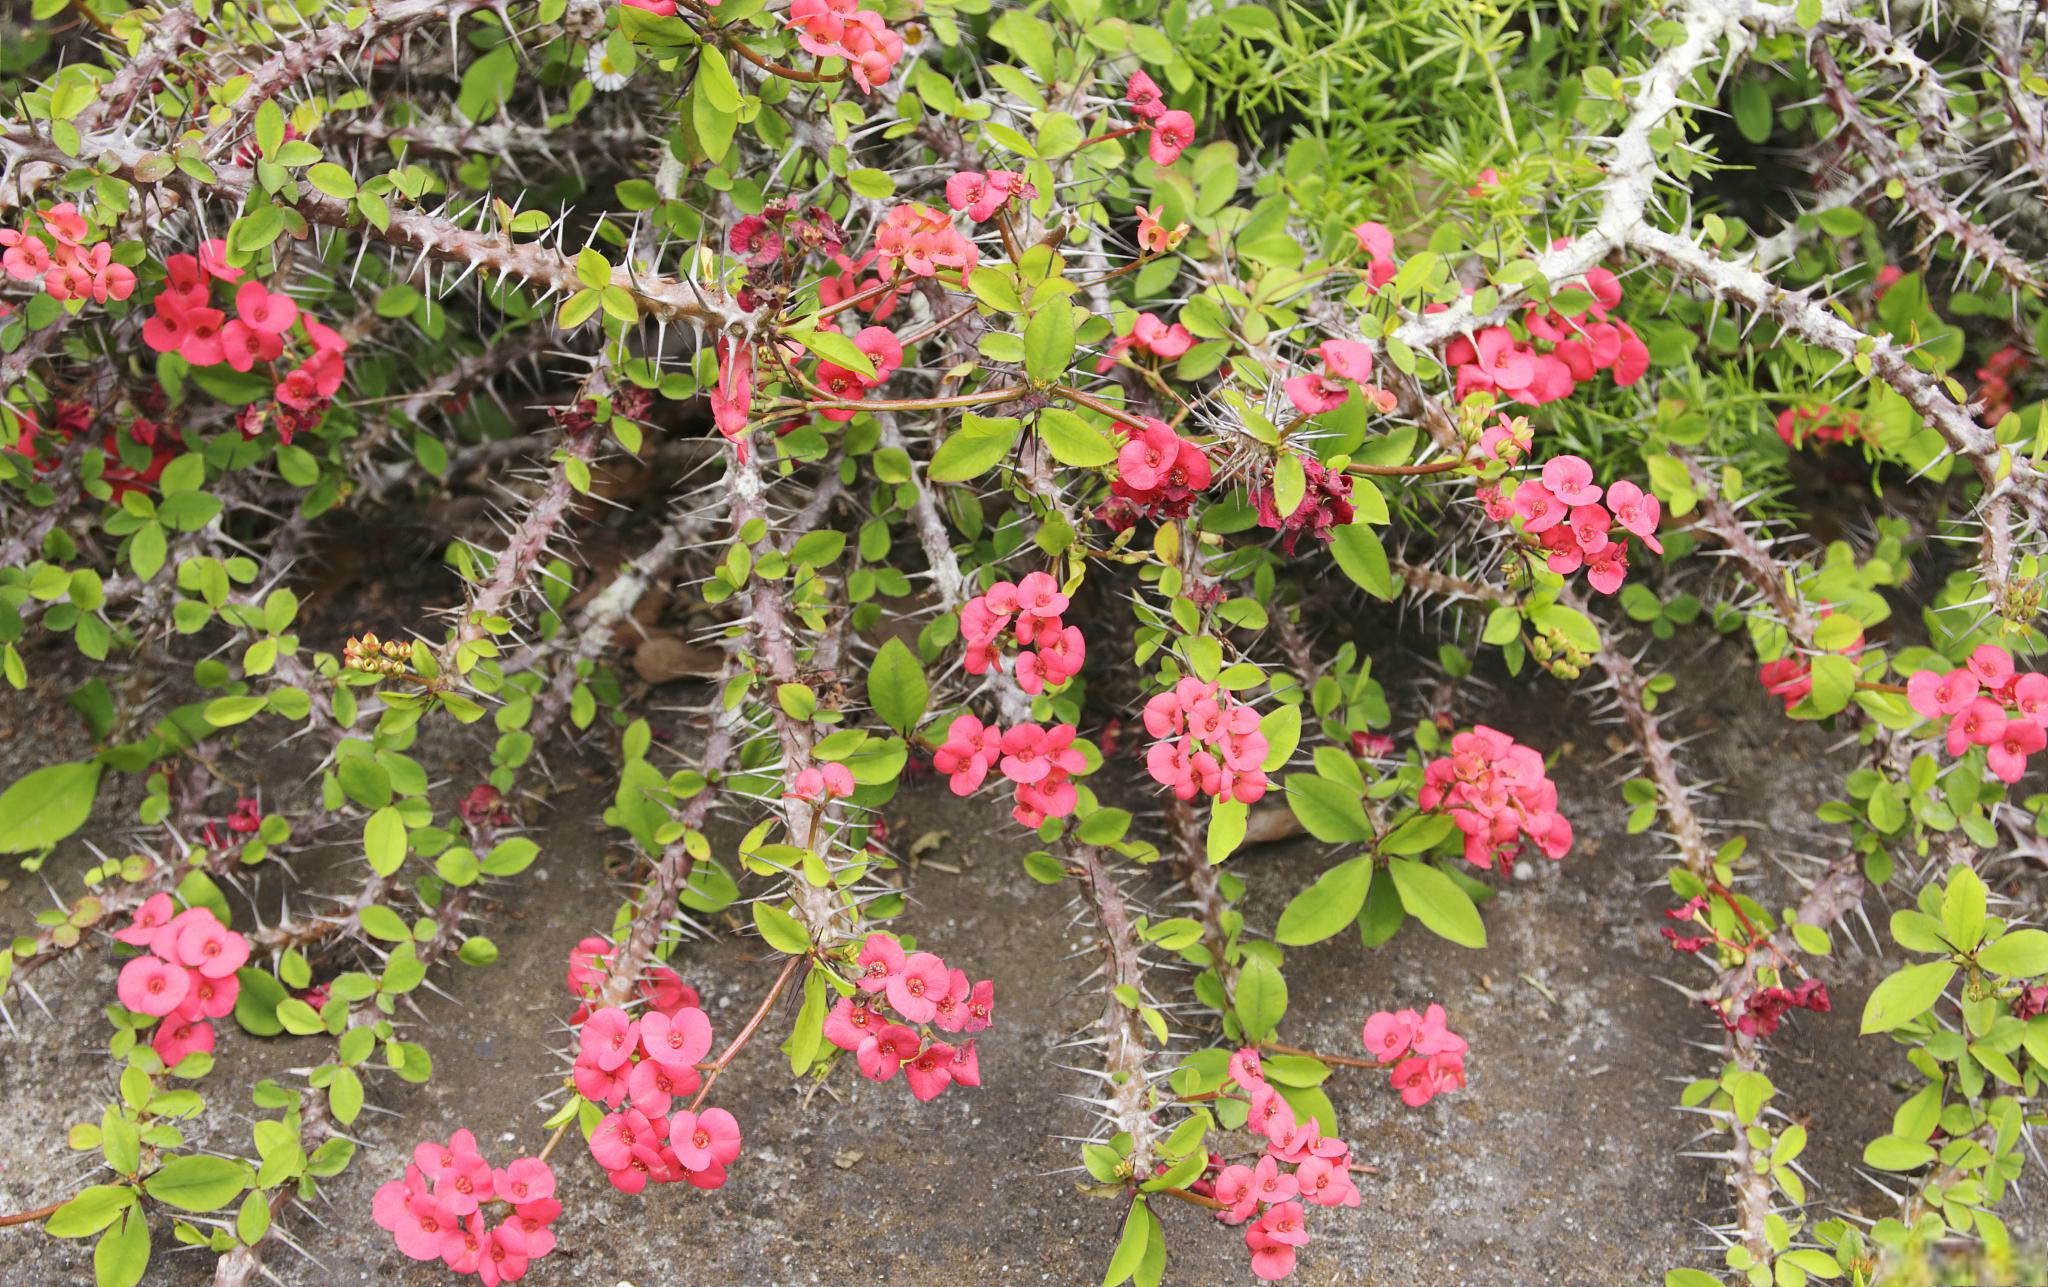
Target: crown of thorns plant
(1013,379)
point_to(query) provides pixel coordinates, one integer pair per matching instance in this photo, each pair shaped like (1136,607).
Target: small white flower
(598,66)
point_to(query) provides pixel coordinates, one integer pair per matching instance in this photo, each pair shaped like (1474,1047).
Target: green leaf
(1359,553)
(835,348)
(1418,835)
(1890,1153)
(1962,908)
(345,1095)
(226,712)
(91,1211)
(1329,811)
(1282,728)
(782,931)
(121,1256)
(1327,906)
(1261,997)
(256,1002)
(1906,995)
(716,79)
(1049,341)
(198,1182)
(1228,820)
(2021,954)
(384,840)
(1073,441)
(897,688)
(974,448)
(47,805)
(1131,1248)
(332,180)
(1436,900)
(1690,1278)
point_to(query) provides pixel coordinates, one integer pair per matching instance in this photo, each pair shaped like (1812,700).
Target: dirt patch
(1559,1164)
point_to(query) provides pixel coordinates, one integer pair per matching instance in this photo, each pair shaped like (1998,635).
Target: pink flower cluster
(1036,603)
(839,29)
(1579,345)
(732,394)
(921,989)
(1158,473)
(590,961)
(1428,1059)
(920,240)
(1039,762)
(1564,511)
(982,196)
(1208,742)
(638,1068)
(1764,1009)
(880,347)
(1171,131)
(1822,423)
(1376,243)
(437,1211)
(1325,505)
(1345,362)
(1989,704)
(186,323)
(821,783)
(71,264)
(187,977)
(1321,1175)
(1498,794)
(1150,336)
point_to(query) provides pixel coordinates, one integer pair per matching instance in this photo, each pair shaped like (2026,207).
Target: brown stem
(746,1033)
(1406,471)
(547,1150)
(1096,404)
(1195,1198)
(30,1217)
(1342,1061)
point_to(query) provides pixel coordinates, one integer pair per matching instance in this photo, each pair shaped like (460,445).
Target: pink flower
(1981,724)
(930,1072)
(1313,395)
(1234,1189)
(915,990)
(706,1139)
(1540,509)
(1422,1079)
(1171,133)
(849,1023)
(1142,93)
(881,959)
(1509,365)
(608,1038)
(211,947)
(1347,359)
(1154,238)
(1608,569)
(1933,696)
(1271,1115)
(1327,1182)
(271,311)
(1432,1036)
(213,258)
(1570,479)
(966,1066)
(619,1136)
(1636,511)
(151,986)
(209,998)
(154,914)
(176,1038)
(653,1087)
(421,1223)
(880,1053)
(1272,1185)
(527,1180)
(676,1041)
(2008,755)
(465,1185)
(1992,665)
(1246,1069)
(26,259)
(1388,1036)
(1272,1259)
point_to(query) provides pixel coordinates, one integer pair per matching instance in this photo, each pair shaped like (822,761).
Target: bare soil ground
(1559,1164)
